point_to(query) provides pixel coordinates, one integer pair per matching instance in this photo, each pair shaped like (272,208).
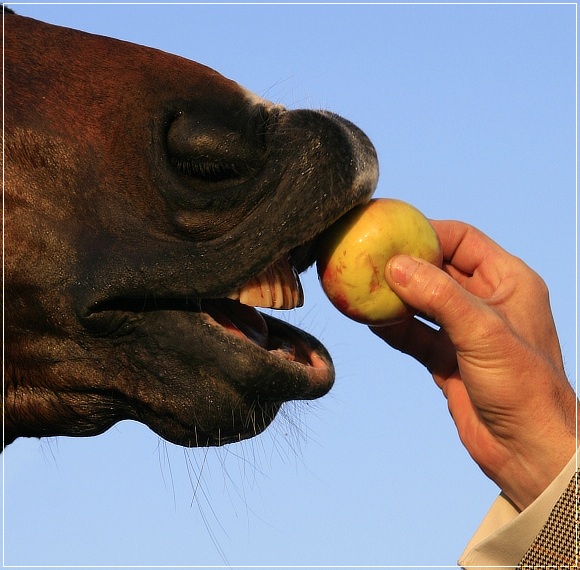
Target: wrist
(525,478)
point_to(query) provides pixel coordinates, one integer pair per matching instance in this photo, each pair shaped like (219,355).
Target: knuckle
(439,292)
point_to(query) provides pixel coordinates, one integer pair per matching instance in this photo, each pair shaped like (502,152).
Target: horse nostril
(209,149)
(202,151)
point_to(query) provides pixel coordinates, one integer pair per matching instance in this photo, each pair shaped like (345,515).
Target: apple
(353,254)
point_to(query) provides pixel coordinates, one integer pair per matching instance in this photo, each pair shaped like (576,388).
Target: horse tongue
(238,319)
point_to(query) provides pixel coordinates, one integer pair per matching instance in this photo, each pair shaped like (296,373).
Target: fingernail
(401,268)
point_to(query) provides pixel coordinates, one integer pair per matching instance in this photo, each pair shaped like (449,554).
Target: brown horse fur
(142,189)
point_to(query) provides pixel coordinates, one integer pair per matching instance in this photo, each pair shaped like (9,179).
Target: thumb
(436,294)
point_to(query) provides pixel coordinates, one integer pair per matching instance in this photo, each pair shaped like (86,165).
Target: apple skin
(354,252)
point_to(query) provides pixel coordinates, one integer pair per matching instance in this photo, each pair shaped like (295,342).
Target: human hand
(496,358)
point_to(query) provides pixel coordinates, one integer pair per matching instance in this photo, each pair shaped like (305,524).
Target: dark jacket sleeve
(556,546)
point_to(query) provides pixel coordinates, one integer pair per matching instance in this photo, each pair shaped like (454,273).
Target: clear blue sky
(472,111)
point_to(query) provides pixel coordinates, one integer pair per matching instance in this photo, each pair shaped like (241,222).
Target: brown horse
(150,204)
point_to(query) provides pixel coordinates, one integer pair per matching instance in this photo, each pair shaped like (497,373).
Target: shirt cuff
(505,534)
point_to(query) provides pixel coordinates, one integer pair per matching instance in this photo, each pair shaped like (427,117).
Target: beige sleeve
(505,534)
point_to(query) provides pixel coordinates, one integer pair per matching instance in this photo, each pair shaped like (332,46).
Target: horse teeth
(277,287)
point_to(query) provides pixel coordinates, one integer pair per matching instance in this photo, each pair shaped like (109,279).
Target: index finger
(467,249)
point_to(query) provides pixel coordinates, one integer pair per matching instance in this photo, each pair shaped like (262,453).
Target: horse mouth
(262,357)
(276,287)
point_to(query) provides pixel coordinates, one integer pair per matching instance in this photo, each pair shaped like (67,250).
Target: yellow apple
(354,252)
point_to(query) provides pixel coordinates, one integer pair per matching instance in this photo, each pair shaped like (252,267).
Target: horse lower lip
(249,324)
(270,334)
(286,350)
(240,320)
